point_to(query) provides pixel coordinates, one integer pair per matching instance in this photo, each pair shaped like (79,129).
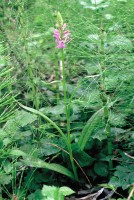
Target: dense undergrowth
(66,115)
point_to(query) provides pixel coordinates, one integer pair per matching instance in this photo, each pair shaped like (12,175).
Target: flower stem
(57,79)
(67,111)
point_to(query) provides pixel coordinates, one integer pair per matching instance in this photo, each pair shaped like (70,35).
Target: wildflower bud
(59,20)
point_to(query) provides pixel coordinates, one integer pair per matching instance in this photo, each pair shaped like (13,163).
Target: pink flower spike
(61,36)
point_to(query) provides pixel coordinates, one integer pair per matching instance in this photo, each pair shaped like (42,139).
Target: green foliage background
(32,23)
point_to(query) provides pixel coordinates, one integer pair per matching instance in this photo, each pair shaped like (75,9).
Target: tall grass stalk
(67,111)
(104,96)
(27,55)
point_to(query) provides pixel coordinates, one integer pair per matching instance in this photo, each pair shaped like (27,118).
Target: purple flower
(61,36)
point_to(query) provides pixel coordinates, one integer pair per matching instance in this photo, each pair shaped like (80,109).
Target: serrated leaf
(100,135)
(50,146)
(5,179)
(50,191)
(66,191)
(20,119)
(120,42)
(7,167)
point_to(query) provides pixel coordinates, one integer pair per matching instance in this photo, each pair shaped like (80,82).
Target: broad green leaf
(92,123)
(34,162)
(101,169)
(51,166)
(82,157)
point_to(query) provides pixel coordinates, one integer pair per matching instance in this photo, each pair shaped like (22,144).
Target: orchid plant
(62,37)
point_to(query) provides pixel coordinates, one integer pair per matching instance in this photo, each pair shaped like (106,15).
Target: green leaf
(101,169)
(55,193)
(100,135)
(7,166)
(124,175)
(34,162)
(51,166)
(36,195)
(66,191)
(5,179)
(1,144)
(82,157)
(46,118)
(118,43)
(50,191)
(19,119)
(92,123)
(18,153)
(48,146)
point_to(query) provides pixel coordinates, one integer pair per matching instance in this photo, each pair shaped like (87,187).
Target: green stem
(104,99)
(57,79)
(28,65)
(67,111)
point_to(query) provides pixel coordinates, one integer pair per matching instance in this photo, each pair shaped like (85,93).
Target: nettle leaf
(55,193)
(55,110)
(49,146)
(5,179)
(118,43)
(50,191)
(117,119)
(100,135)
(82,157)
(20,119)
(124,176)
(101,169)
(65,191)
(7,166)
